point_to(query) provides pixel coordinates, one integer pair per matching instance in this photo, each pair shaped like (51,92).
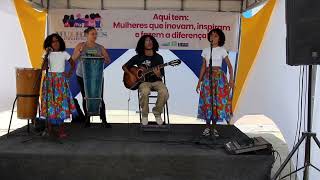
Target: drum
(92,78)
(27,84)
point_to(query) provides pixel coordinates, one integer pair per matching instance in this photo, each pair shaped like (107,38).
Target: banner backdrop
(181,35)
(121,29)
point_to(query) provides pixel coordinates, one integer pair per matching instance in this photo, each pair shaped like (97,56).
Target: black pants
(84,105)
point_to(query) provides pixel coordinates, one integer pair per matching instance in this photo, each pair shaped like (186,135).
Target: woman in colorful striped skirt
(221,102)
(56,99)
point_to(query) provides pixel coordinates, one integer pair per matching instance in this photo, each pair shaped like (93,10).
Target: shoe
(63,135)
(144,120)
(206,132)
(215,133)
(159,119)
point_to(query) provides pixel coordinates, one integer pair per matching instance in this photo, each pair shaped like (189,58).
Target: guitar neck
(151,69)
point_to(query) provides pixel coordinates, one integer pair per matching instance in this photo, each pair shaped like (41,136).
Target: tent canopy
(203,5)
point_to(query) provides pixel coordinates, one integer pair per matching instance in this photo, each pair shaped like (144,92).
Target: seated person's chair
(153,126)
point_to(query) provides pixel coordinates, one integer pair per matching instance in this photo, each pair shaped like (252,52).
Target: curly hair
(141,42)
(48,41)
(222,37)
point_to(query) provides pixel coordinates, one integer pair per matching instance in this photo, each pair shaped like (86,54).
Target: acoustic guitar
(137,76)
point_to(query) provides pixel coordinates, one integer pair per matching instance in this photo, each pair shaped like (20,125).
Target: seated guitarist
(147,56)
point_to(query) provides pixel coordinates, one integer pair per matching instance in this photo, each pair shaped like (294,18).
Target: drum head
(27,69)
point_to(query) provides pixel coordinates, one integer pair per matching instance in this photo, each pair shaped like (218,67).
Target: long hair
(48,41)
(222,37)
(140,44)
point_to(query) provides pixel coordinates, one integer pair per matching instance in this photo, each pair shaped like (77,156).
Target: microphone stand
(210,79)
(211,140)
(46,63)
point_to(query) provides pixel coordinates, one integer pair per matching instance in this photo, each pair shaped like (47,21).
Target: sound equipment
(256,144)
(303,27)
(303,48)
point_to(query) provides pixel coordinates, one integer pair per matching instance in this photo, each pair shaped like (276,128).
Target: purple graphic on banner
(89,20)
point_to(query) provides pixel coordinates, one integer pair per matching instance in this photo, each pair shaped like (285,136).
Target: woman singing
(221,103)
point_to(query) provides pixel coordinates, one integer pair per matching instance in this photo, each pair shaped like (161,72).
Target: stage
(126,152)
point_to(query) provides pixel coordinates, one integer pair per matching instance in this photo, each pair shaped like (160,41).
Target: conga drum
(92,78)
(27,86)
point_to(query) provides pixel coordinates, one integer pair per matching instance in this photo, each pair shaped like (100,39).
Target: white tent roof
(204,5)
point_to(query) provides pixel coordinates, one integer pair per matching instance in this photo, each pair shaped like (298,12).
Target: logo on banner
(175,44)
(89,20)
(74,25)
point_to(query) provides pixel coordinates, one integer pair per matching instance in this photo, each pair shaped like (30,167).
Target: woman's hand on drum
(106,56)
(107,61)
(77,51)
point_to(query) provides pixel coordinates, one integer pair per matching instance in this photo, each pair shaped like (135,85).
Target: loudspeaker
(303,32)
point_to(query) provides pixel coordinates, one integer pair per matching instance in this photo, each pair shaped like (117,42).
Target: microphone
(44,63)
(211,45)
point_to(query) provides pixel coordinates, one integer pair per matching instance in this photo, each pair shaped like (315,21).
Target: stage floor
(125,152)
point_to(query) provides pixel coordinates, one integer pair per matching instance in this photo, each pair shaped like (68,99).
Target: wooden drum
(28,87)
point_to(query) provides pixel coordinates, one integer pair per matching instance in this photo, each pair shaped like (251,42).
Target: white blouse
(218,54)
(57,61)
